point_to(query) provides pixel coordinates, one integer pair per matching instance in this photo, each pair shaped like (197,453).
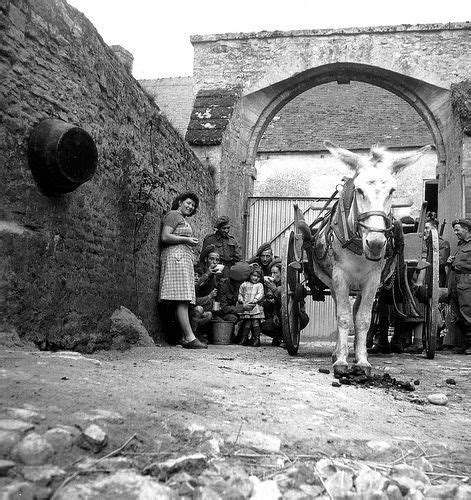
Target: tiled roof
(355,116)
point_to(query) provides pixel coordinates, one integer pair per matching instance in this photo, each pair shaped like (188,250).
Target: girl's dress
(177,280)
(251,292)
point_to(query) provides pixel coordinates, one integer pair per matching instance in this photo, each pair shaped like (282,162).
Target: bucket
(221,332)
(61,156)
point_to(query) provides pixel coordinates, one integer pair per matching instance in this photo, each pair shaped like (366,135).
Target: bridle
(359,222)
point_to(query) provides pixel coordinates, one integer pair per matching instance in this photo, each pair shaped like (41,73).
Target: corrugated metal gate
(272,219)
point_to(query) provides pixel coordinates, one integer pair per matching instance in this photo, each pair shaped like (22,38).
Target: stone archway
(256,74)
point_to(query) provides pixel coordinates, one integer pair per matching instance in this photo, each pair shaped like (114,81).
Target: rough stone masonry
(69,261)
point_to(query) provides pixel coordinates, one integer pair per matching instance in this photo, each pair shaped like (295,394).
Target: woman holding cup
(177,282)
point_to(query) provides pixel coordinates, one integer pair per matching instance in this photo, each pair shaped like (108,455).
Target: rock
(123,485)
(325,467)
(394,492)
(42,474)
(15,425)
(369,480)
(93,438)
(312,490)
(210,447)
(266,490)
(450,381)
(336,384)
(193,427)
(437,399)
(205,493)
(23,414)
(379,446)
(126,330)
(258,441)
(183,483)
(422,464)
(441,491)
(42,493)
(240,483)
(409,478)
(70,429)
(324,370)
(60,439)
(112,463)
(18,491)
(414,494)
(8,439)
(191,464)
(463,493)
(33,449)
(339,484)
(5,466)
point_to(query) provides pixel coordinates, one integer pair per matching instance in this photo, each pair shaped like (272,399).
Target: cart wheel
(290,290)
(432,290)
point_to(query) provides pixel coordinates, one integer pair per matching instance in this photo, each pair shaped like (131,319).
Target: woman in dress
(177,284)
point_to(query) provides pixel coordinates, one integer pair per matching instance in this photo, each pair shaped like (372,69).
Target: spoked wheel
(432,293)
(291,294)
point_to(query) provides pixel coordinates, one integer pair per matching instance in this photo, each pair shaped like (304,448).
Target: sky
(157,32)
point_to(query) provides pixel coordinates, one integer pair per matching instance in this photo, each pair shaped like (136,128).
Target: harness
(336,221)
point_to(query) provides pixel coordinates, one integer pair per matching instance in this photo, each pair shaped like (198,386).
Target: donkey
(349,248)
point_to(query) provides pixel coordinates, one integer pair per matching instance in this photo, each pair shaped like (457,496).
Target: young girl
(250,296)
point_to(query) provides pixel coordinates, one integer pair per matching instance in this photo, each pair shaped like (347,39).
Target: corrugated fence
(272,220)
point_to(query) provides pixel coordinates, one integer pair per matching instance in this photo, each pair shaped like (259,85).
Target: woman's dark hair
(182,197)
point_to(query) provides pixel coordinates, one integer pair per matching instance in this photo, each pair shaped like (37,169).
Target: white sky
(157,32)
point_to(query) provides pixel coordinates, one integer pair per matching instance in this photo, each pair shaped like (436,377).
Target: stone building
(243,80)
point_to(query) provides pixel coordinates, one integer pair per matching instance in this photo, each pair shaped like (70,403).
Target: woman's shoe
(194,344)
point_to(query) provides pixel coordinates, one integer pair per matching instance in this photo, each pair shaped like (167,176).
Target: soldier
(263,258)
(225,244)
(459,285)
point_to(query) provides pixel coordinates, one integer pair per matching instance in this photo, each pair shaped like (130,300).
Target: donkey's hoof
(365,367)
(340,369)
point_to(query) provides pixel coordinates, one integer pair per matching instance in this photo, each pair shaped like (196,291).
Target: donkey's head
(375,183)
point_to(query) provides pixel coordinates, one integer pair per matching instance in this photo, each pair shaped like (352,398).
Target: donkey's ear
(349,158)
(401,161)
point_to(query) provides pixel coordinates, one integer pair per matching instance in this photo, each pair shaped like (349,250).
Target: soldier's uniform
(459,284)
(225,245)
(227,248)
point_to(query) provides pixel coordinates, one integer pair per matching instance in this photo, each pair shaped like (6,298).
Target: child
(250,296)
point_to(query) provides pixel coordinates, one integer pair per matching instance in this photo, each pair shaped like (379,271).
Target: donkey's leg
(356,306)
(344,325)
(362,325)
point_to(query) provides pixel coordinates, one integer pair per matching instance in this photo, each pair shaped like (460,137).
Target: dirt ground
(229,388)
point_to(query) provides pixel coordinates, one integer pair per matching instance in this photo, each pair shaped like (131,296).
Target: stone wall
(437,54)
(69,261)
(355,116)
(174,96)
